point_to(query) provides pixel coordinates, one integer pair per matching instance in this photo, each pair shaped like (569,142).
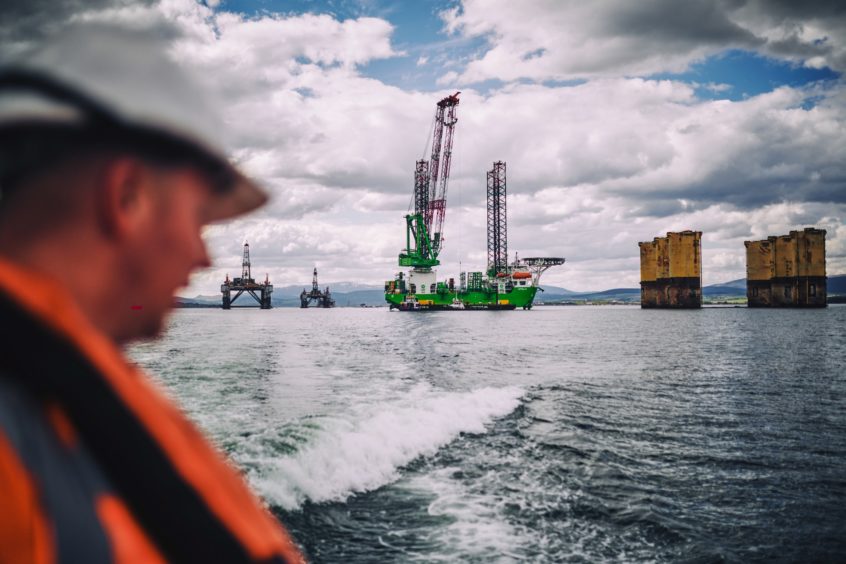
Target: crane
(424,227)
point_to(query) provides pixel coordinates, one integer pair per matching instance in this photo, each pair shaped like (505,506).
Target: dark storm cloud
(667,22)
(578,40)
(733,186)
(664,205)
(793,17)
(25,21)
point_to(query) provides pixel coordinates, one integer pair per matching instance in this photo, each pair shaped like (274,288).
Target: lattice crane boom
(424,228)
(439,165)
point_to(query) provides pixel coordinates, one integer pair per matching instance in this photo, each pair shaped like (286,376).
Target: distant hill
(732,289)
(355,295)
(837,285)
(552,295)
(293,291)
(726,290)
(355,298)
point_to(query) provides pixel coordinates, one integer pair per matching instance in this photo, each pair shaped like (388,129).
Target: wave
(365,450)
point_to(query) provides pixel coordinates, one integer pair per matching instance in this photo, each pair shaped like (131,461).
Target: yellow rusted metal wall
(811,252)
(787,270)
(649,265)
(760,268)
(684,252)
(648,262)
(759,260)
(671,271)
(811,286)
(785,256)
(662,255)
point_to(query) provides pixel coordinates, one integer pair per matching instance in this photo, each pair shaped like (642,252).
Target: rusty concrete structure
(671,271)
(787,270)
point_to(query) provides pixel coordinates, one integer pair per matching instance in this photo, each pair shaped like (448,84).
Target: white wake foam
(364,450)
(476,526)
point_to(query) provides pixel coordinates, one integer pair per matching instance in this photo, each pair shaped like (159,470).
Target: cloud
(653,143)
(23,22)
(568,40)
(593,166)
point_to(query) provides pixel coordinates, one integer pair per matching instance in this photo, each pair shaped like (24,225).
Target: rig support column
(671,271)
(787,270)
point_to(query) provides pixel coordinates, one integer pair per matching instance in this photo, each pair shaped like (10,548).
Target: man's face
(167,250)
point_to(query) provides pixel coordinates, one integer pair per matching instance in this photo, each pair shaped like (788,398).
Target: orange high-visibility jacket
(96,465)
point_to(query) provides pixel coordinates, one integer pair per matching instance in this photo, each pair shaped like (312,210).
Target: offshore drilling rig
(320,299)
(260,292)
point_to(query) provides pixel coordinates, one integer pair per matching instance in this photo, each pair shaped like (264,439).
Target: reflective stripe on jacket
(57,505)
(95,464)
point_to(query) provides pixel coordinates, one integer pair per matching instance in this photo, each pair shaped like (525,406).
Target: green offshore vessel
(515,288)
(505,286)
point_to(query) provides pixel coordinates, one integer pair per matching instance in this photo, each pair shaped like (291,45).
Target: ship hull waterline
(521,297)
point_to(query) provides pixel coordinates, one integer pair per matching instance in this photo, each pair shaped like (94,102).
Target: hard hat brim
(242,197)
(231,193)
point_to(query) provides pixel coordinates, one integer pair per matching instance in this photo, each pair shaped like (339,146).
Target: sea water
(560,434)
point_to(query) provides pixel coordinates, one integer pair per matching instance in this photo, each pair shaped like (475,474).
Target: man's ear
(124,196)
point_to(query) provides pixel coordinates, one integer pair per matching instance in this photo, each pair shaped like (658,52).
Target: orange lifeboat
(519,275)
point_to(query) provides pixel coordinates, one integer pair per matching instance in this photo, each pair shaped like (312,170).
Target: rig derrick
(497,221)
(508,286)
(261,292)
(320,299)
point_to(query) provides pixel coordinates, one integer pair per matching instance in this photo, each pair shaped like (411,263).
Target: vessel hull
(521,297)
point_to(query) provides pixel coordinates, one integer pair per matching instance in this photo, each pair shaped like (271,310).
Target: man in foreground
(109,168)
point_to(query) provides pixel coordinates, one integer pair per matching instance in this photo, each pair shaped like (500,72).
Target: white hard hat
(122,81)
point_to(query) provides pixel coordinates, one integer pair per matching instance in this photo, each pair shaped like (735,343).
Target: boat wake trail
(328,459)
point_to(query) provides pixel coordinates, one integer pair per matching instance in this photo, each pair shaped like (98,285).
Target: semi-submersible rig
(316,296)
(504,285)
(260,291)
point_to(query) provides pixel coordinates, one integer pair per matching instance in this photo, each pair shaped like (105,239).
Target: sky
(618,121)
